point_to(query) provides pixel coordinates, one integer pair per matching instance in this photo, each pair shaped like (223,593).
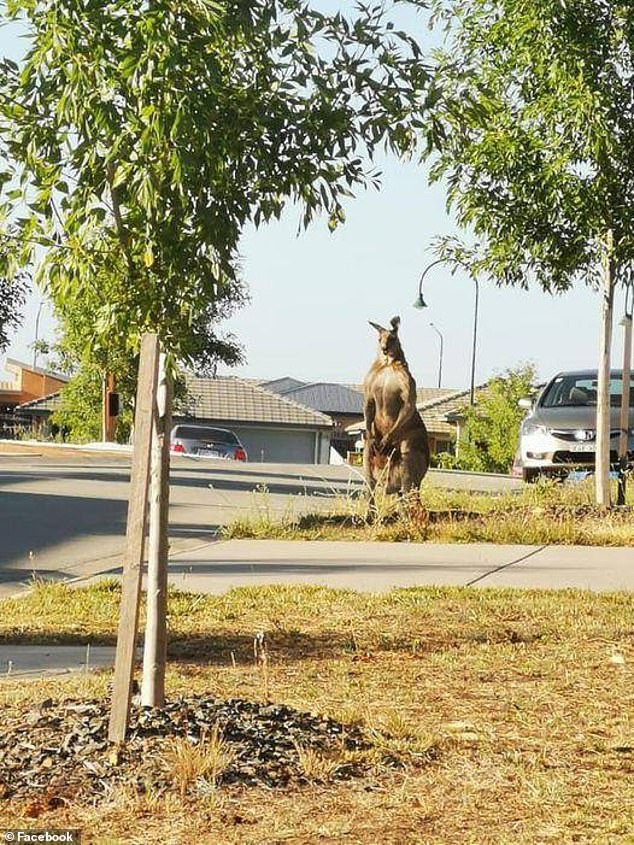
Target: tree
(538,150)
(83,351)
(13,290)
(493,424)
(78,418)
(142,137)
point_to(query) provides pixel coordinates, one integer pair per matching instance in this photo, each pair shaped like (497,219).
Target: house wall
(36,385)
(8,400)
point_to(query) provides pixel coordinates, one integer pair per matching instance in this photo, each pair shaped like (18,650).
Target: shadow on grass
(316,520)
(226,648)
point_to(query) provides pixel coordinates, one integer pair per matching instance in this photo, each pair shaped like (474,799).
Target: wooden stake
(155,648)
(602,457)
(135,539)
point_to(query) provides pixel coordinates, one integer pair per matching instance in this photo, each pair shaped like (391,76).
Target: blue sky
(312,294)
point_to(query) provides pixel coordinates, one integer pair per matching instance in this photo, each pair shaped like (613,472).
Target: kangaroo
(396,445)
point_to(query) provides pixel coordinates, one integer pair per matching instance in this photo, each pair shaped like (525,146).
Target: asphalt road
(63,512)
(64,515)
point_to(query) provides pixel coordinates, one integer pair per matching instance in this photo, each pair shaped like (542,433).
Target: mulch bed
(61,748)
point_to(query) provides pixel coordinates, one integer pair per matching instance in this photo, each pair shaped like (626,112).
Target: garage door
(277,445)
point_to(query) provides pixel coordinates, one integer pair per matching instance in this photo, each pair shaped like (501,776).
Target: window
(200,432)
(571,390)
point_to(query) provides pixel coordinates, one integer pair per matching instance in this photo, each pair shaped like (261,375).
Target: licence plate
(209,453)
(582,447)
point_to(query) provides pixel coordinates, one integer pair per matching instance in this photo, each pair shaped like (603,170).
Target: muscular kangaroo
(396,443)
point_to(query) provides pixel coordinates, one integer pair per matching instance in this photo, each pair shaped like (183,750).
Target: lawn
(512,713)
(539,514)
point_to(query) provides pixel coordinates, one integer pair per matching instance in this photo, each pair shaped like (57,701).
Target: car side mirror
(525,404)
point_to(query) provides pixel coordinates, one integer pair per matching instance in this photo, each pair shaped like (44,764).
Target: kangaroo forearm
(399,426)
(369,414)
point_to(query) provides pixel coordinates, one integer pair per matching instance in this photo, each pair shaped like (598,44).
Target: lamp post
(420,303)
(439,333)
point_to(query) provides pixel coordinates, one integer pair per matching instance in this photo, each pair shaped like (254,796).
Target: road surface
(63,512)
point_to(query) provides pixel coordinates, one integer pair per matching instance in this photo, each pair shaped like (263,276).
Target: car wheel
(530,475)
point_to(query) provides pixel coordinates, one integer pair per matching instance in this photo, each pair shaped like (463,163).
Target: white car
(559,432)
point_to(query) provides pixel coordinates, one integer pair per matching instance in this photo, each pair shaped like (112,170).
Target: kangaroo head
(389,344)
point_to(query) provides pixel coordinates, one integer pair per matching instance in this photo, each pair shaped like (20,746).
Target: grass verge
(528,697)
(540,514)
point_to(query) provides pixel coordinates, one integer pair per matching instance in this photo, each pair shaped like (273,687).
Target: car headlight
(532,428)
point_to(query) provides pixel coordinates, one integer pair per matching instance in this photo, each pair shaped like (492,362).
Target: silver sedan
(559,432)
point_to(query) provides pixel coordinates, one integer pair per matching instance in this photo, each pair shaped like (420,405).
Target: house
(342,403)
(289,421)
(34,414)
(436,406)
(272,428)
(28,384)
(440,409)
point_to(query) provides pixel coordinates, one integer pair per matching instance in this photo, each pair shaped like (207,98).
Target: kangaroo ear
(395,322)
(377,326)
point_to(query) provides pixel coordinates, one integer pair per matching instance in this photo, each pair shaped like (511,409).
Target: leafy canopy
(13,290)
(538,153)
(140,139)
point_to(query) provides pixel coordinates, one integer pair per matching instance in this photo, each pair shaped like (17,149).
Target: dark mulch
(61,748)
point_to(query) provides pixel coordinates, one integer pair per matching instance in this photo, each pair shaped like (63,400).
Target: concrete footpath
(23,662)
(215,567)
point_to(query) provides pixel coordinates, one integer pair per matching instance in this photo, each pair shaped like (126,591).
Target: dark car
(203,441)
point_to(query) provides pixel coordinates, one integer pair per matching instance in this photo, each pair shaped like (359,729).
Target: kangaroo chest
(390,391)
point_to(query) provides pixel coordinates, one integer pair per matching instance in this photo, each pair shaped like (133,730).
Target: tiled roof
(235,400)
(328,397)
(427,395)
(435,411)
(51,402)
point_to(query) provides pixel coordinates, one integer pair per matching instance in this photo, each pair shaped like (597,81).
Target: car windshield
(571,390)
(217,435)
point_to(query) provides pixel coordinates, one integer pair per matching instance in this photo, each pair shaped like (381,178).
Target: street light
(439,333)
(420,303)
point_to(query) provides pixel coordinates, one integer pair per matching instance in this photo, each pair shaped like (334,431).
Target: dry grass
(539,514)
(514,711)
(188,765)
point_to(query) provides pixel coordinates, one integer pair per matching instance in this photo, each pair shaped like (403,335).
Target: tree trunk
(602,457)
(107,422)
(104,409)
(624,425)
(155,646)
